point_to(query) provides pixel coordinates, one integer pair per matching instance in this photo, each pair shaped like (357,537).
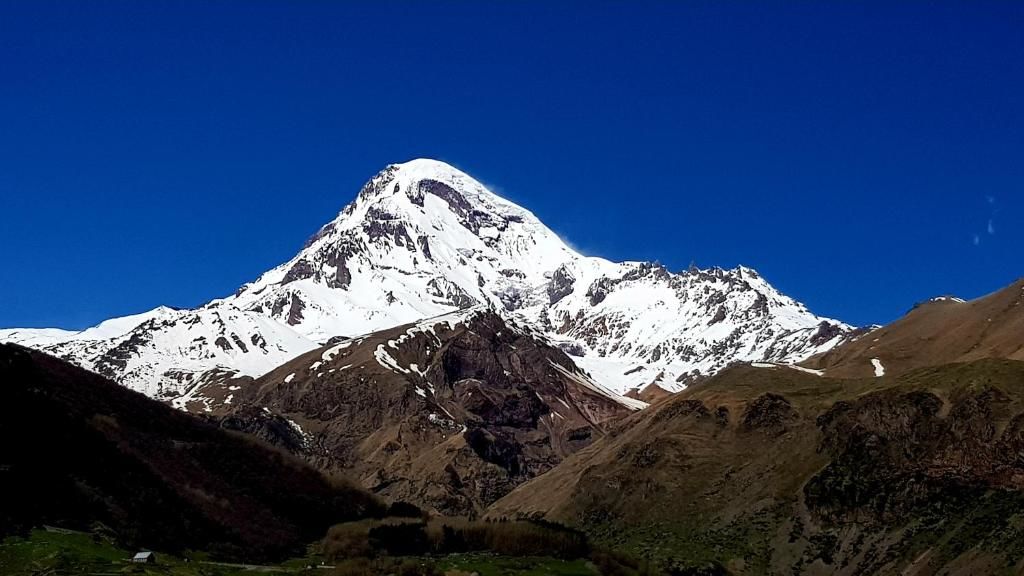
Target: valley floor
(53,553)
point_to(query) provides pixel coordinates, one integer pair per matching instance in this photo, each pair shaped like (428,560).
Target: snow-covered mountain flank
(422,239)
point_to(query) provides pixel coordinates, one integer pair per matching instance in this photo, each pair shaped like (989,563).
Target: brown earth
(777,471)
(934,333)
(448,414)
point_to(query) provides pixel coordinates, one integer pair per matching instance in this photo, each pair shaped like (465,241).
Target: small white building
(144,557)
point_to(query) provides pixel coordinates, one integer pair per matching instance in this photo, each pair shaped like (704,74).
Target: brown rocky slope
(939,331)
(778,471)
(450,413)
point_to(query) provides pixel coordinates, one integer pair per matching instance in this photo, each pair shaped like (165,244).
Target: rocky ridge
(450,413)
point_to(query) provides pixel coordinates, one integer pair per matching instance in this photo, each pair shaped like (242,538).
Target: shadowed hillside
(77,450)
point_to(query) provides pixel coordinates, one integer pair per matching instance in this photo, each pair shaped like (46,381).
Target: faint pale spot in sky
(990,227)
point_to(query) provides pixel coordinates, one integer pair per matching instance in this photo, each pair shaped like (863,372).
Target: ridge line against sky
(861,157)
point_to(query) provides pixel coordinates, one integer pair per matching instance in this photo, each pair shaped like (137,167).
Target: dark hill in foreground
(77,450)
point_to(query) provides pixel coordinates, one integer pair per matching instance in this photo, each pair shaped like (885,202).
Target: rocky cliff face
(450,413)
(893,451)
(637,324)
(422,239)
(774,470)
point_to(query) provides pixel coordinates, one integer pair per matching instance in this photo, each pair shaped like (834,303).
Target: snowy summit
(423,238)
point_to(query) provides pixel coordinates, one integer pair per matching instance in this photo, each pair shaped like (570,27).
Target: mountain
(79,451)
(449,413)
(940,331)
(774,470)
(168,352)
(423,238)
(104,330)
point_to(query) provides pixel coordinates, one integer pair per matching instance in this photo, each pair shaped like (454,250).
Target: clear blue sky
(861,156)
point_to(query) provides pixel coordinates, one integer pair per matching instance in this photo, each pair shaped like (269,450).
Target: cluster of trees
(418,537)
(371,546)
(376,566)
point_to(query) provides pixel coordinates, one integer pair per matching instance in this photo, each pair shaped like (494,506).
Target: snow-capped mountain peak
(423,238)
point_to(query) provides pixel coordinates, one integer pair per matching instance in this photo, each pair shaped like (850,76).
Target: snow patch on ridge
(879,369)
(387,361)
(590,384)
(331,352)
(790,366)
